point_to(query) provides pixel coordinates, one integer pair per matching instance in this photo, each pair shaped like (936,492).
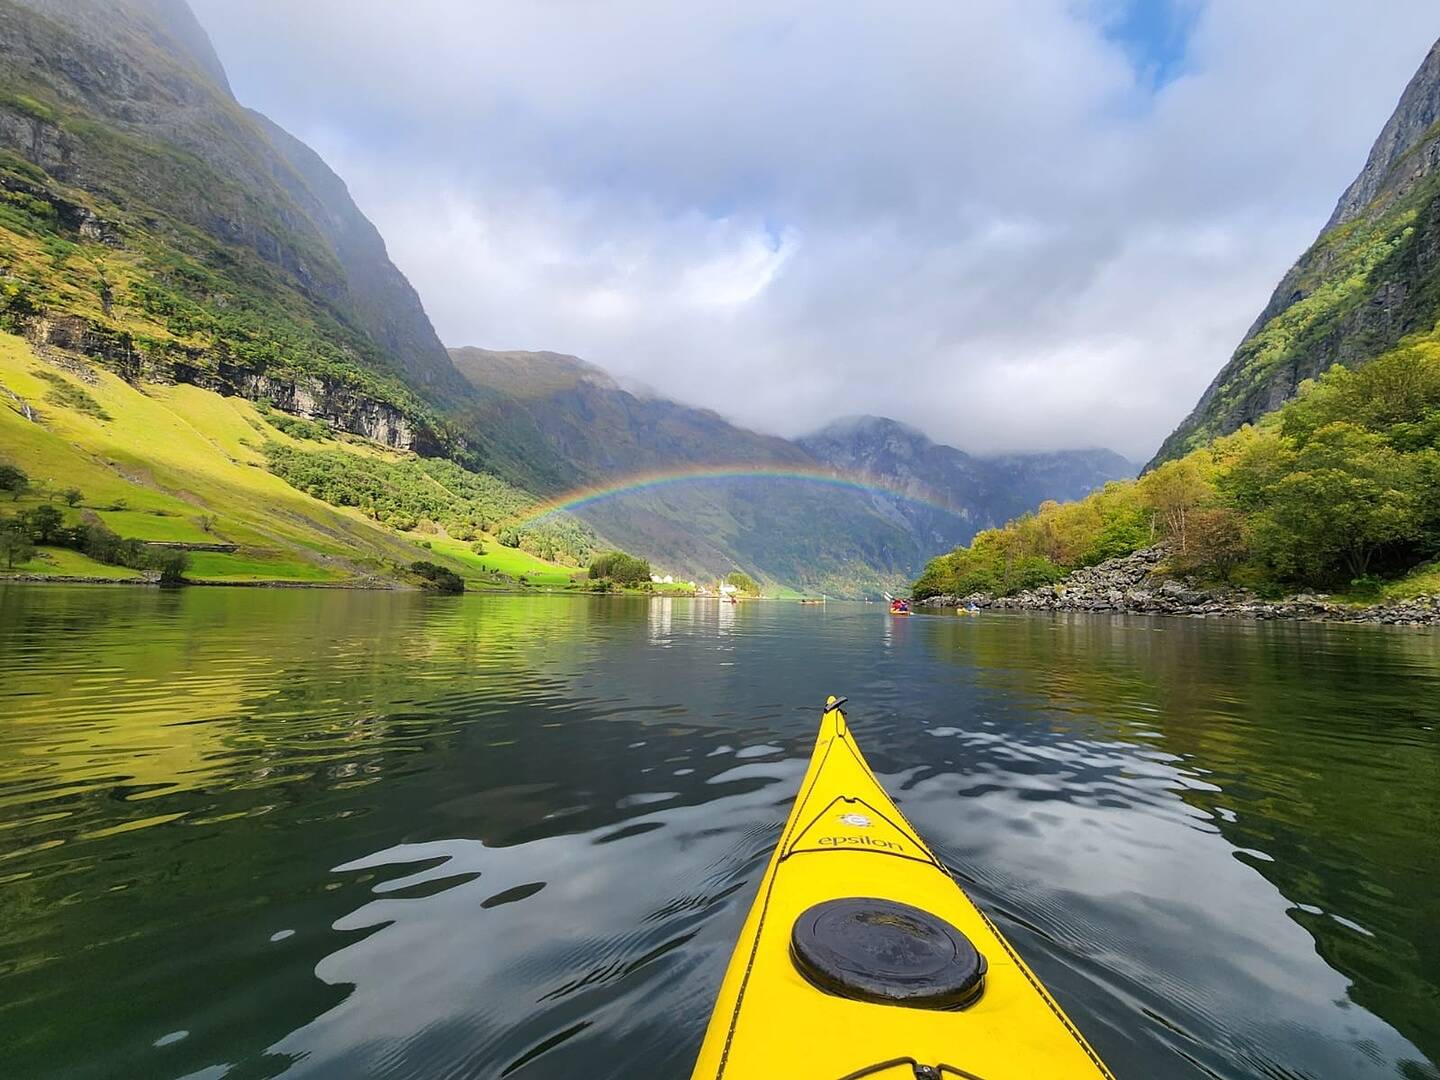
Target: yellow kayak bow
(861,957)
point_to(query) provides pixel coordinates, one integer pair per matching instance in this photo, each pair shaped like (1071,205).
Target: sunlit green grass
(62,562)
(240,566)
(512,562)
(144,525)
(172,455)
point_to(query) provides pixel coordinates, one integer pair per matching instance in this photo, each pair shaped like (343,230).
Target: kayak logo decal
(860,821)
(859,841)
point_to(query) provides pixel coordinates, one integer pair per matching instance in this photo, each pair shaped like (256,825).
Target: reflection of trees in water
(1324,743)
(188,767)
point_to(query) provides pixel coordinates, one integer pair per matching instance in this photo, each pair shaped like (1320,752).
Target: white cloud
(973,217)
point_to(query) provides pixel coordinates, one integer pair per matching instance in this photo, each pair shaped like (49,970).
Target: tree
(171,563)
(619,567)
(741,580)
(1121,533)
(1175,490)
(44,522)
(72,496)
(437,577)
(1393,390)
(206,522)
(15,543)
(1219,542)
(14,481)
(1346,496)
(98,542)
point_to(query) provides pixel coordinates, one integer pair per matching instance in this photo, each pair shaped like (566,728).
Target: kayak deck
(846,838)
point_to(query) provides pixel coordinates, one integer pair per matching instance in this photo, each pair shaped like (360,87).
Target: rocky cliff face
(170,25)
(1407,150)
(341,405)
(126,101)
(380,296)
(1367,281)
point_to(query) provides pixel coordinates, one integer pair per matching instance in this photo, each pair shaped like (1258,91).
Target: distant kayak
(861,957)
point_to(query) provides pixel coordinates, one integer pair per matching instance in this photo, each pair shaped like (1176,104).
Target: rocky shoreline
(1138,584)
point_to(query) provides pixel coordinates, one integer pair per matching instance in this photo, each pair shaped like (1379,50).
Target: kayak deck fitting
(861,956)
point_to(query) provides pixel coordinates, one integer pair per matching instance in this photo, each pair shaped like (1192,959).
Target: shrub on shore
(439,578)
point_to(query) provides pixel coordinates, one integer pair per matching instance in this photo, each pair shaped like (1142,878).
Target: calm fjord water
(248,833)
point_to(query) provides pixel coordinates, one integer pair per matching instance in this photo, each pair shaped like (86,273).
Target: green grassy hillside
(179,464)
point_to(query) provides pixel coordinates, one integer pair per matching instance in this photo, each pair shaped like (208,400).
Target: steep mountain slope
(153,223)
(166,255)
(795,531)
(604,430)
(1369,280)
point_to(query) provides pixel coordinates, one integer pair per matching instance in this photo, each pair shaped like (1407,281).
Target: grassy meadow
(179,464)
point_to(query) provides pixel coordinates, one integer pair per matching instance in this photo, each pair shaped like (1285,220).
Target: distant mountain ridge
(1368,281)
(1004,485)
(784,530)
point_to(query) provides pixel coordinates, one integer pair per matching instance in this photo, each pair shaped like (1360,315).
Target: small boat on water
(898,604)
(861,956)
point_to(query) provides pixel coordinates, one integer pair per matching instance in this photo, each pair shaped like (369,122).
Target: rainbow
(580,498)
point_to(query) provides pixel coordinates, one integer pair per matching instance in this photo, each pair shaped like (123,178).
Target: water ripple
(248,832)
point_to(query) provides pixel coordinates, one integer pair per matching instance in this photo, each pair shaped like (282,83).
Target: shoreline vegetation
(1335,494)
(1142,583)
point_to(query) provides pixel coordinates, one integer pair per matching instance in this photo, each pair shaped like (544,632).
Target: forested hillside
(1339,489)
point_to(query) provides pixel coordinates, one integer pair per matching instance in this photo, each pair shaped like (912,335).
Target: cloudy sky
(1016,224)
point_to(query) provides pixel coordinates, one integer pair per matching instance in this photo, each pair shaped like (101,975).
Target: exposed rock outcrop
(1141,584)
(345,407)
